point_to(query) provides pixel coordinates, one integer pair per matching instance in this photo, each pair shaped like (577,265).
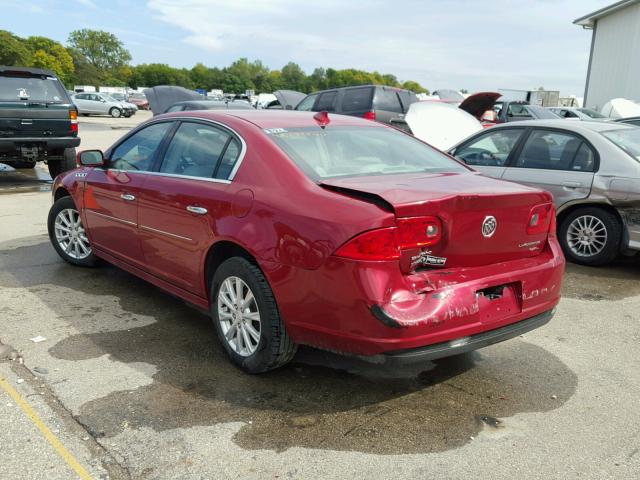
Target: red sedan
(331,231)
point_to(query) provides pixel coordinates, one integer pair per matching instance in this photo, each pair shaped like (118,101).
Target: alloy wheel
(70,234)
(587,236)
(239,316)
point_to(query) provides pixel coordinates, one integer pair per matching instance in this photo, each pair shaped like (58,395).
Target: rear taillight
(73,116)
(388,243)
(541,219)
(416,232)
(370,115)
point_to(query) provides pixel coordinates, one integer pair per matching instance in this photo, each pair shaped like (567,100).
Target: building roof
(589,20)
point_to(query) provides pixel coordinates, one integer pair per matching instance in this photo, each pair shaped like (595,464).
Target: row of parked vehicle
(114,104)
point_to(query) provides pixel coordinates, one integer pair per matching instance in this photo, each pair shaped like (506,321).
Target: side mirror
(90,158)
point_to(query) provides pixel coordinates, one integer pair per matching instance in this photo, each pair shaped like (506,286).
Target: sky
(475,45)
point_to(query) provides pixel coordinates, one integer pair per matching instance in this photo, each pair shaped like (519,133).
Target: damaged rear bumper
(463,344)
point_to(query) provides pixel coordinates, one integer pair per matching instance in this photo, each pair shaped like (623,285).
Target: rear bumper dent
(463,344)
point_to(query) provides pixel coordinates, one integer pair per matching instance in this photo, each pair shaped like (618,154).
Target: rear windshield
(359,151)
(627,139)
(31,88)
(591,113)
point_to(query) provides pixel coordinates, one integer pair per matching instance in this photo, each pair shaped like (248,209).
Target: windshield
(591,113)
(540,112)
(32,89)
(627,139)
(359,151)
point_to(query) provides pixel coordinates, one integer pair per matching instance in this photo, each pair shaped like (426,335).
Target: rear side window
(33,88)
(555,151)
(326,102)
(518,111)
(194,150)
(356,99)
(407,98)
(387,100)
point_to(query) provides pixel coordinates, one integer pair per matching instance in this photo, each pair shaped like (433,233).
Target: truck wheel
(590,236)
(115,112)
(247,319)
(68,162)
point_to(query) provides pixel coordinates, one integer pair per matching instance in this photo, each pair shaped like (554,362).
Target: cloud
(454,43)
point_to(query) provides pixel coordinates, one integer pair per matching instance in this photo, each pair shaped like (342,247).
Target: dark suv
(38,120)
(374,102)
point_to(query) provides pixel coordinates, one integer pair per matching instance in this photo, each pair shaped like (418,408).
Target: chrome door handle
(196,209)
(128,197)
(571,184)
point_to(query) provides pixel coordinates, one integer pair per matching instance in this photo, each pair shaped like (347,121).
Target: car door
(558,161)
(111,193)
(489,152)
(182,202)
(83,103)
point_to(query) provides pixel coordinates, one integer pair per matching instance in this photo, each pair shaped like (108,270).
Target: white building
(614,61)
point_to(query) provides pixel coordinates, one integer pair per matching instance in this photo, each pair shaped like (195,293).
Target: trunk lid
(479,103)
(464,202)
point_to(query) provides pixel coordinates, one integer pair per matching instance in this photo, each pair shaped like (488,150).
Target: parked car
(139,100)
(326,230)
(576,113)
(374,102)
(591,168)
(208,105)
(95,103)
(38,121)
(513,111)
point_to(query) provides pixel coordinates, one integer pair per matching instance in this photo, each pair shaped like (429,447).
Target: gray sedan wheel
(115,112)
(590,236)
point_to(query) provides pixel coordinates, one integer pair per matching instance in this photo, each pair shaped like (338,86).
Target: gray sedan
(591,168)
(95,103)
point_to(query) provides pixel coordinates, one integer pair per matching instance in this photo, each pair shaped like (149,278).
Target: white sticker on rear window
(271,131)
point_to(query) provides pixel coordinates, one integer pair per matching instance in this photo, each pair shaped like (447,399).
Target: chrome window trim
(234,170)
(162,232)
(172,175)
(109,217)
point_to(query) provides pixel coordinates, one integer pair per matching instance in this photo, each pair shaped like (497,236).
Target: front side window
(195,149)
(552,151)
(137,152)
(307,103)
(491,149)
(360,151)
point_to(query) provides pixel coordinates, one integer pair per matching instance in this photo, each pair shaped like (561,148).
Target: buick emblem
(489,226)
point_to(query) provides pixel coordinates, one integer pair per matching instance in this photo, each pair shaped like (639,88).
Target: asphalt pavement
(130,382)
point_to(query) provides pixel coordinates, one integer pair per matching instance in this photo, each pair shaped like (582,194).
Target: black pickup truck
(38,120)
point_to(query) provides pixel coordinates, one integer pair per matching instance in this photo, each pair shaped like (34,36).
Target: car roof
(273,118)
(595,126)
(35,71)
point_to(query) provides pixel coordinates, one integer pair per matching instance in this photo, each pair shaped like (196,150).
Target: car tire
(75,247)
(115,112)
(590,236)
(66,163)
(265,340)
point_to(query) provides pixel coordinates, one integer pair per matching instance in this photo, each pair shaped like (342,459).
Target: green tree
(47,53)
(84,72)
(414,86)
(13,51)
(102,49)
(293,77)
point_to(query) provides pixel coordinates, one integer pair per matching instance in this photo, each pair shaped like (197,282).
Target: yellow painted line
(48,434)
